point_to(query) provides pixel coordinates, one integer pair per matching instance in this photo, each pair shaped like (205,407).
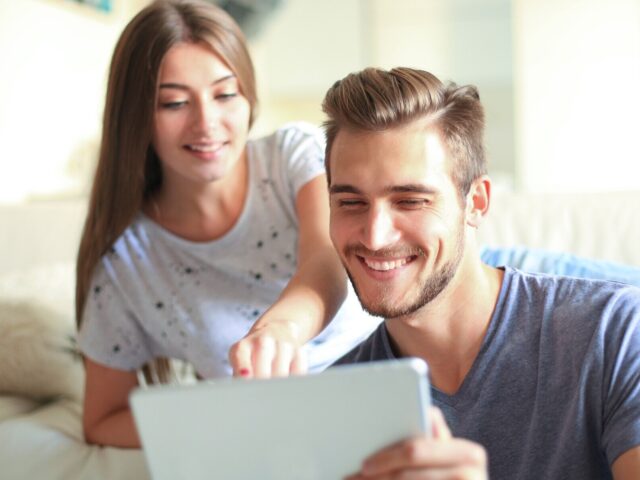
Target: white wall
(306,46)
(466,41)
(54,56)
(571,67)
(310,44)
(578,94)
(558,78)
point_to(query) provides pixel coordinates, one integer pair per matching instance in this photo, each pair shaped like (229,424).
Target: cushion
(47,444)
(38,353)
(13,406)
(37,334)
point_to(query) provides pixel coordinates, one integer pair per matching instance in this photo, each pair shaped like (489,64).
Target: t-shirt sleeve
(621,429)
(110,334)
(302,147)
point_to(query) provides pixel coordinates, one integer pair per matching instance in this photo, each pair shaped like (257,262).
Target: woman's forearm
(311,298)
(116,430)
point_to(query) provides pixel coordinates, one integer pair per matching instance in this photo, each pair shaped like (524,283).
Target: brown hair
(376,100)
(128,169)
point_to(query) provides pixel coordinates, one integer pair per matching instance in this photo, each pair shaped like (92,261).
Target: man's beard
(432,287)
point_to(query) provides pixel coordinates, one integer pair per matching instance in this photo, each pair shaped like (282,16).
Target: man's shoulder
(571,298)
(568,287)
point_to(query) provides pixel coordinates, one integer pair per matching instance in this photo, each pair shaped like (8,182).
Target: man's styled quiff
(375,100)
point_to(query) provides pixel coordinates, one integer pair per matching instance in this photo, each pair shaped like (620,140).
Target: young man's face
(396,220)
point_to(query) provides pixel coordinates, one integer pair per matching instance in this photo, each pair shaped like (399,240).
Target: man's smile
(384,265)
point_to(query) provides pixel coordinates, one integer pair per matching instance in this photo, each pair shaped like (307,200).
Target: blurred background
(560,79)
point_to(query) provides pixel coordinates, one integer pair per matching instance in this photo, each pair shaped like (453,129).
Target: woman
(198,241)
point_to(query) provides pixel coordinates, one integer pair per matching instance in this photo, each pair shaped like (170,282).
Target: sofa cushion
(37,334)
(38,353)
(47,443)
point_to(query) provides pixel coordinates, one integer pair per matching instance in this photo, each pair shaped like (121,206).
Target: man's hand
(269,351)
(438,457)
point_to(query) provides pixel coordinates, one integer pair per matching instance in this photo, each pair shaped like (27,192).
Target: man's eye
(350,203)
(414,202)
(172,105)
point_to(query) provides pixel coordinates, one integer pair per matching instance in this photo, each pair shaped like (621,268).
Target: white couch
(41,437)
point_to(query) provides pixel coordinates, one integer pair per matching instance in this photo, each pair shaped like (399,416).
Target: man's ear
(478,200)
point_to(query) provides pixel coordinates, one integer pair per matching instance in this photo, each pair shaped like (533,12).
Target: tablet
(314,427)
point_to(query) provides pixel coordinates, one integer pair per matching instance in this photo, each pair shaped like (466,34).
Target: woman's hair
(376,100)
(128,170)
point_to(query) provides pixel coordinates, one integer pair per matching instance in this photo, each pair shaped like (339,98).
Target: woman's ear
(478,200)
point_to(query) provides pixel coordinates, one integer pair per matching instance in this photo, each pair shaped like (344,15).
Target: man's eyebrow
(341,188)
(408,188)
(181,86)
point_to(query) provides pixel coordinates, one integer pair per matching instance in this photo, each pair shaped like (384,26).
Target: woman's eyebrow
(180,86)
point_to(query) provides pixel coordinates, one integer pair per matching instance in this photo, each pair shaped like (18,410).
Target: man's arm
(627,465)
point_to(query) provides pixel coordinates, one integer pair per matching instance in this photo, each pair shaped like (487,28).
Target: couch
(41,373)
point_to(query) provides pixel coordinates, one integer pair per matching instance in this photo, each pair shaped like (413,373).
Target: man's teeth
(386,265)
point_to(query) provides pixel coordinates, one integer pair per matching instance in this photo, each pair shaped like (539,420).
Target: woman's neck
(203,212)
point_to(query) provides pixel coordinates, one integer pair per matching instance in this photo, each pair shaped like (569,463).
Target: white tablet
(313,427)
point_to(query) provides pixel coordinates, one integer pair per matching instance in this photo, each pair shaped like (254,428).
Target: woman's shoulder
(300,128)
(292,135)
(134,242)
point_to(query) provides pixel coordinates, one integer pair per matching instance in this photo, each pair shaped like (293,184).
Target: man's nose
(380,231)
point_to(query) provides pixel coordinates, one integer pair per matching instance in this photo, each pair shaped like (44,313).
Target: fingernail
(367,468)
(244,372)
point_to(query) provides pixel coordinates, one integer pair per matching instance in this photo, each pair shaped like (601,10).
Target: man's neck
(449,331)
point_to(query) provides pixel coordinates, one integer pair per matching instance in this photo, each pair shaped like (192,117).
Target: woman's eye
(172,105)
(226,96)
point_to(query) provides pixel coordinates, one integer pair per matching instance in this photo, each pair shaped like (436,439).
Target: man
(540,372)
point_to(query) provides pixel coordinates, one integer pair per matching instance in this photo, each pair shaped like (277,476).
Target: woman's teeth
(205,148)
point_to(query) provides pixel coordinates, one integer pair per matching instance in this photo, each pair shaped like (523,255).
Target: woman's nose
(206,116)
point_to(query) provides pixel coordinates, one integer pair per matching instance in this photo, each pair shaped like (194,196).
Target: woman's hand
(440,457)
(270,350)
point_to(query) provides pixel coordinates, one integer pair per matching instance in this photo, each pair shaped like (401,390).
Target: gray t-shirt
(554,392)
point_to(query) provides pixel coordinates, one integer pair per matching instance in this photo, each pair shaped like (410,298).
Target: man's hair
(376,100)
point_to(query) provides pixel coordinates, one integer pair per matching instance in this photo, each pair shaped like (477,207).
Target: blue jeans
(544,261)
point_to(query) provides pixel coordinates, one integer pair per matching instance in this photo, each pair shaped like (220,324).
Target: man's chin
(388,311)
(385,307)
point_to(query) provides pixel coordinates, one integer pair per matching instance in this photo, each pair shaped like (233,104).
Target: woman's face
(201,117)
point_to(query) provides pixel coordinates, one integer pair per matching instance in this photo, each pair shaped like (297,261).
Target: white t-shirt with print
(155,294)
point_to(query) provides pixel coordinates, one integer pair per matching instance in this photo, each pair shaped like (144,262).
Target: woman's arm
(307,304)
(107,418)
(627,465)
